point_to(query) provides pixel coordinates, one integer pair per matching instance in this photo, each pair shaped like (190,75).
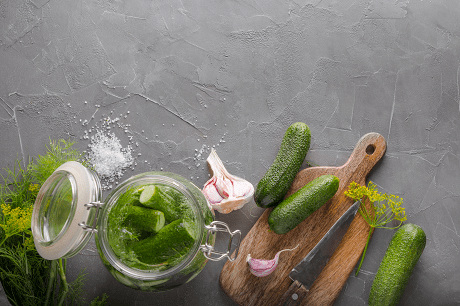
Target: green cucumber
(144,219)
(168,246)
(301,204)
(155,197)
(274,185)
(148,193)
(397,265)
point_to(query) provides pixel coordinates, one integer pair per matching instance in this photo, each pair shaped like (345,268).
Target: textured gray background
(185,76)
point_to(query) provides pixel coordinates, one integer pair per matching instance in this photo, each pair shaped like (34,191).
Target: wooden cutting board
(246,289)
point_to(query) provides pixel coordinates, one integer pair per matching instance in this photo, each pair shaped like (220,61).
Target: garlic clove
(263,267)
(240,188)
(225,192)
(224,187)
(212,194)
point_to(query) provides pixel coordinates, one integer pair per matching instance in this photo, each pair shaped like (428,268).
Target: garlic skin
(263,267)
(225,192)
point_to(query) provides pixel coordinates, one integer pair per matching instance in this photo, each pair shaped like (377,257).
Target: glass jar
(68,209)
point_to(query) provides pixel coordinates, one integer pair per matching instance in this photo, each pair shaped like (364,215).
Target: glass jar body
(155,277)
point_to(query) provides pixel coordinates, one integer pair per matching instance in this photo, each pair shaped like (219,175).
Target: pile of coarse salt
(108,158)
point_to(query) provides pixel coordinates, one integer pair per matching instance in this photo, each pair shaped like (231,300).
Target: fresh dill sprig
(76,290)
(72,292)
(384,209)
(27,278)
(58,152)
(102,302)
(23,275)
(17,188)
(16,221)
(22,269)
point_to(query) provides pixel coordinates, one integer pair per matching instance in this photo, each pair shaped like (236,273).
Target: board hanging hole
(370,149)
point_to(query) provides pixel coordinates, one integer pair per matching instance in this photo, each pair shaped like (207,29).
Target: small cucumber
(148,194)
(145,219)
(301,204)
(274,185)
(171,243)
(154,197)
(397,265)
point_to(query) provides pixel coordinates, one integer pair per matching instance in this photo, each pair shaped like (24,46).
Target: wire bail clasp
(83,224)
(208,249)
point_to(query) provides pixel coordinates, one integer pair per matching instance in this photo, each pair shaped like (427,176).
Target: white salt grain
(108,157)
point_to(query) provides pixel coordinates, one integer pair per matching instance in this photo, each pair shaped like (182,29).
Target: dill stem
(3,241)
(51,281)
(364,252)
(65,285)
(8,236)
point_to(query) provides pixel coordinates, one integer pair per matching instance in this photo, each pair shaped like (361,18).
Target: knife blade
(308,269)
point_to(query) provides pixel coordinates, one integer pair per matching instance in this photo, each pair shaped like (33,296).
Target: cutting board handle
(368,151)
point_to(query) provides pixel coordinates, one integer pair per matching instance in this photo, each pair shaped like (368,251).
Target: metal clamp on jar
(139,252)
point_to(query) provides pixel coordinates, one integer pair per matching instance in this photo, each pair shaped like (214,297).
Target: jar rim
(165,178)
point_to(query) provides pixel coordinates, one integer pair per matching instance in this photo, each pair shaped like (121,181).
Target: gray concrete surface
(186,76)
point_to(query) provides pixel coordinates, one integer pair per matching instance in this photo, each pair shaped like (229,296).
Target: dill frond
(58,152)
(27,278)
(22,273)
(102,302)
(76,290)
(384,209)
(16,189)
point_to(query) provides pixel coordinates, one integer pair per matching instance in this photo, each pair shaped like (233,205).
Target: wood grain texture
(246,289)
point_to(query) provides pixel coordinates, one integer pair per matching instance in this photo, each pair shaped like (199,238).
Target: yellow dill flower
(15,220)
(386,208)
(34,188)
(356,191)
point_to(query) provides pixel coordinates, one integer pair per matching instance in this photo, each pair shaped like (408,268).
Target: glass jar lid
(62,211)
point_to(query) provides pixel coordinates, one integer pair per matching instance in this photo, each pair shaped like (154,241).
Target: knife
(306,272)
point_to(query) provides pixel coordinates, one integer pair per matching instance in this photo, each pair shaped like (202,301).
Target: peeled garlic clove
(263,267)
(225,192)
(211,192)
(224,187)
(241,188)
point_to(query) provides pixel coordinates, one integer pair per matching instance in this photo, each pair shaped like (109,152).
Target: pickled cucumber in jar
(168,246)
(152,227)
(144,219)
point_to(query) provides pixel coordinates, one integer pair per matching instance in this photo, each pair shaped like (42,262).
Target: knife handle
(294,295)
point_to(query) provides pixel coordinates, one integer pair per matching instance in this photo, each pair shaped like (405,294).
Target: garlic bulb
(225,192)
(263,267)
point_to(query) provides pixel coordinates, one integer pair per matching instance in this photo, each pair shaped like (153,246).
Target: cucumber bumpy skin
(301,204)
(145,219)
(168,246)
(274,185)
(397,265)
(158,198)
